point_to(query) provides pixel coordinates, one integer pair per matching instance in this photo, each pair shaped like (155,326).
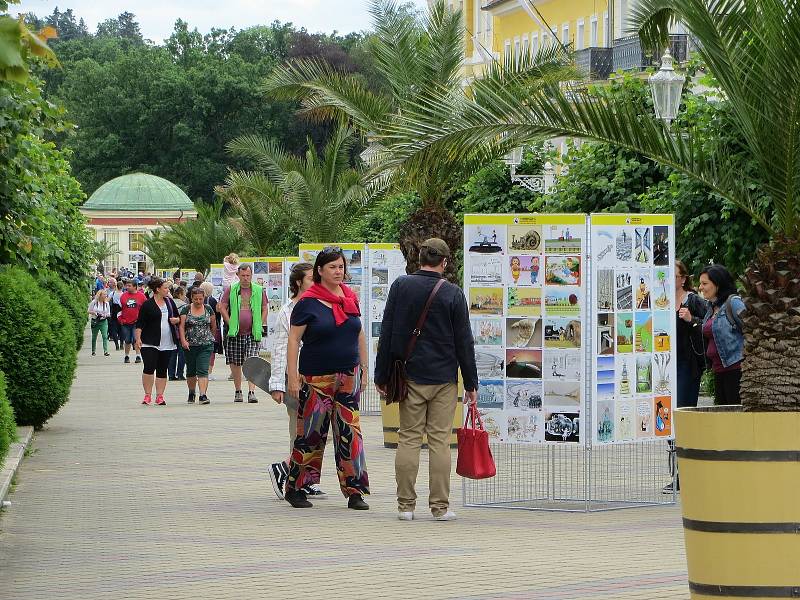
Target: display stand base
(575,478)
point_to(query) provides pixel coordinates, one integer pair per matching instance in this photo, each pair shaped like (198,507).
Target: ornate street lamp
(666,86)
(543,183)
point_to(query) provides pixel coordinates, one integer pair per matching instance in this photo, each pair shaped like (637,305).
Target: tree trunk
(771,370)
(427,223)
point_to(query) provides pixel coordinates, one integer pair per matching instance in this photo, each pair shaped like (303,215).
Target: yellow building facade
(598,30)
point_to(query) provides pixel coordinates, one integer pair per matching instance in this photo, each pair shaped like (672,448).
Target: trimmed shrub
(8,428)
(72,298)
(37,348)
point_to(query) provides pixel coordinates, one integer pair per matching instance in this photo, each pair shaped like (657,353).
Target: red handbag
(475,459)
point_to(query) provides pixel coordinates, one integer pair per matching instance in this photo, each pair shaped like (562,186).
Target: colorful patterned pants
(325,399)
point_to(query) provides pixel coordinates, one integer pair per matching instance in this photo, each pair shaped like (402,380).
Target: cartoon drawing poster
(633,365)
(525,283)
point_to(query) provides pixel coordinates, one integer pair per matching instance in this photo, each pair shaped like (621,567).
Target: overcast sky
(157,17)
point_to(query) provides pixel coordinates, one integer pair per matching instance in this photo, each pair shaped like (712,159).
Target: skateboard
(257,371)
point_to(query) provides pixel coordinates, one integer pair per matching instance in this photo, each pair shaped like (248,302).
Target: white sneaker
(212,378)
(448,516)
(406,516)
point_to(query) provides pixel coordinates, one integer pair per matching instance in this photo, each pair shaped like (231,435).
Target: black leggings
(726,387)
(156,361)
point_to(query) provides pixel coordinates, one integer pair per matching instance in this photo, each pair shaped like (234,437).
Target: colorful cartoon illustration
(515,269)
(534,270)
(663,410)
(562,270)
(624,332)
(644,332)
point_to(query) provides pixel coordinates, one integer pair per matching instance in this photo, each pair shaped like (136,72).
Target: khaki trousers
(429,409)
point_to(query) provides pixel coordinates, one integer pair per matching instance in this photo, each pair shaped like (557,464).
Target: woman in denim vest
(722,330)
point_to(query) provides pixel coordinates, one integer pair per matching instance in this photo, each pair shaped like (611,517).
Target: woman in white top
(100,312)
(156,337)
(300,279)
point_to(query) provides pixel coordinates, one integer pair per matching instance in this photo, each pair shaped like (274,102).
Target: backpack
(732,317)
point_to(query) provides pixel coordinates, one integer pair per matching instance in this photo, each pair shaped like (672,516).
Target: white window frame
(594,37)
(565,34)
(517,49)
(526,46)
(606,32)
(554,35)
(534,43)
(545,39)
(580,34)
(506,49)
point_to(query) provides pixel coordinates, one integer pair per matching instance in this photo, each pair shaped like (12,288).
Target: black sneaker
(356,502)
(251,398)
(277,475)
(204,399)
(127,359)
(138,359)
(313,490)
(237,397)
(93,353)
(191,398)
(297,499)
(106,354)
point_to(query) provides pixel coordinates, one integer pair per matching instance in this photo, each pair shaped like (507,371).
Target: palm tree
(420,59)
(317,195)
(751,49)
(197,243)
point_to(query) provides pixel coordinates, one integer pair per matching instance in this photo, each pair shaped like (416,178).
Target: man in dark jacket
(444,346)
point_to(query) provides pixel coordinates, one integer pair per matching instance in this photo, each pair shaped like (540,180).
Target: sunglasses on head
(331,250)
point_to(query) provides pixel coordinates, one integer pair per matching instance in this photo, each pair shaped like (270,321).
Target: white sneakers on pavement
(448,516)
(406,516)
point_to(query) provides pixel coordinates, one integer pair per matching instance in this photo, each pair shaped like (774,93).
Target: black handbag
(397,386)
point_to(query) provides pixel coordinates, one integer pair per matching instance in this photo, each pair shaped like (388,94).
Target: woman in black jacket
(156,338)
(691,362)
(690,309)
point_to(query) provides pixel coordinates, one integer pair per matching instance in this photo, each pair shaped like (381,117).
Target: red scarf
(340,305)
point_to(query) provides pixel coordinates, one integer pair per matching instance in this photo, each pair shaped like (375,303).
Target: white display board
(633,364)
(526,290)
(386,263)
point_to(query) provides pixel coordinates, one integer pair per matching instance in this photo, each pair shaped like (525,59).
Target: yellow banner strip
(632,219)
(384,246)
(525,219)
(313,247)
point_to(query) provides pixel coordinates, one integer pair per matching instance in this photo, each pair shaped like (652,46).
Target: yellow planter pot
(390,415)
(740,497)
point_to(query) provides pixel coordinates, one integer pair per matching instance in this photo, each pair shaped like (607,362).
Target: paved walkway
(123,501)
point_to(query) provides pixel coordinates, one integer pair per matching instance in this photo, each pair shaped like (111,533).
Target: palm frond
(327,93)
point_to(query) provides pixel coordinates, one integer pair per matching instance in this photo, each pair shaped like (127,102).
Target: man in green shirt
(243,307)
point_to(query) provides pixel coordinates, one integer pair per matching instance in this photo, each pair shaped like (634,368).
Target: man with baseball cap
(444,345)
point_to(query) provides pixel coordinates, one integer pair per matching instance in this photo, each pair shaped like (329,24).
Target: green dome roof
(139,191)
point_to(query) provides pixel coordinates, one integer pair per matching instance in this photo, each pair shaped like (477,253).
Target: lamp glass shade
(666,86)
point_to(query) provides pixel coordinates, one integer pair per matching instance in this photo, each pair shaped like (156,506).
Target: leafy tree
(750,48)
(319,195)
(124,26)
(41,227)
(19,45)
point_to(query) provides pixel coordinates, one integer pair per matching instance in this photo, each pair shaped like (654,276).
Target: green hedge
(37,348)
(8,428)
(72,298)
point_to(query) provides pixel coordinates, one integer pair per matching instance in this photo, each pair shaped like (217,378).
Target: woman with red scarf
(328,380)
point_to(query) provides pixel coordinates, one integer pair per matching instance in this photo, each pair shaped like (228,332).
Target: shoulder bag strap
(732,316)
(421,321)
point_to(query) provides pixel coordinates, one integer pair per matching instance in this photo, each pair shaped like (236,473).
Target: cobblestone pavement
(124,501)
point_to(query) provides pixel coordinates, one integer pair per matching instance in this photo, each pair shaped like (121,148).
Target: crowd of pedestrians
(320,367)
